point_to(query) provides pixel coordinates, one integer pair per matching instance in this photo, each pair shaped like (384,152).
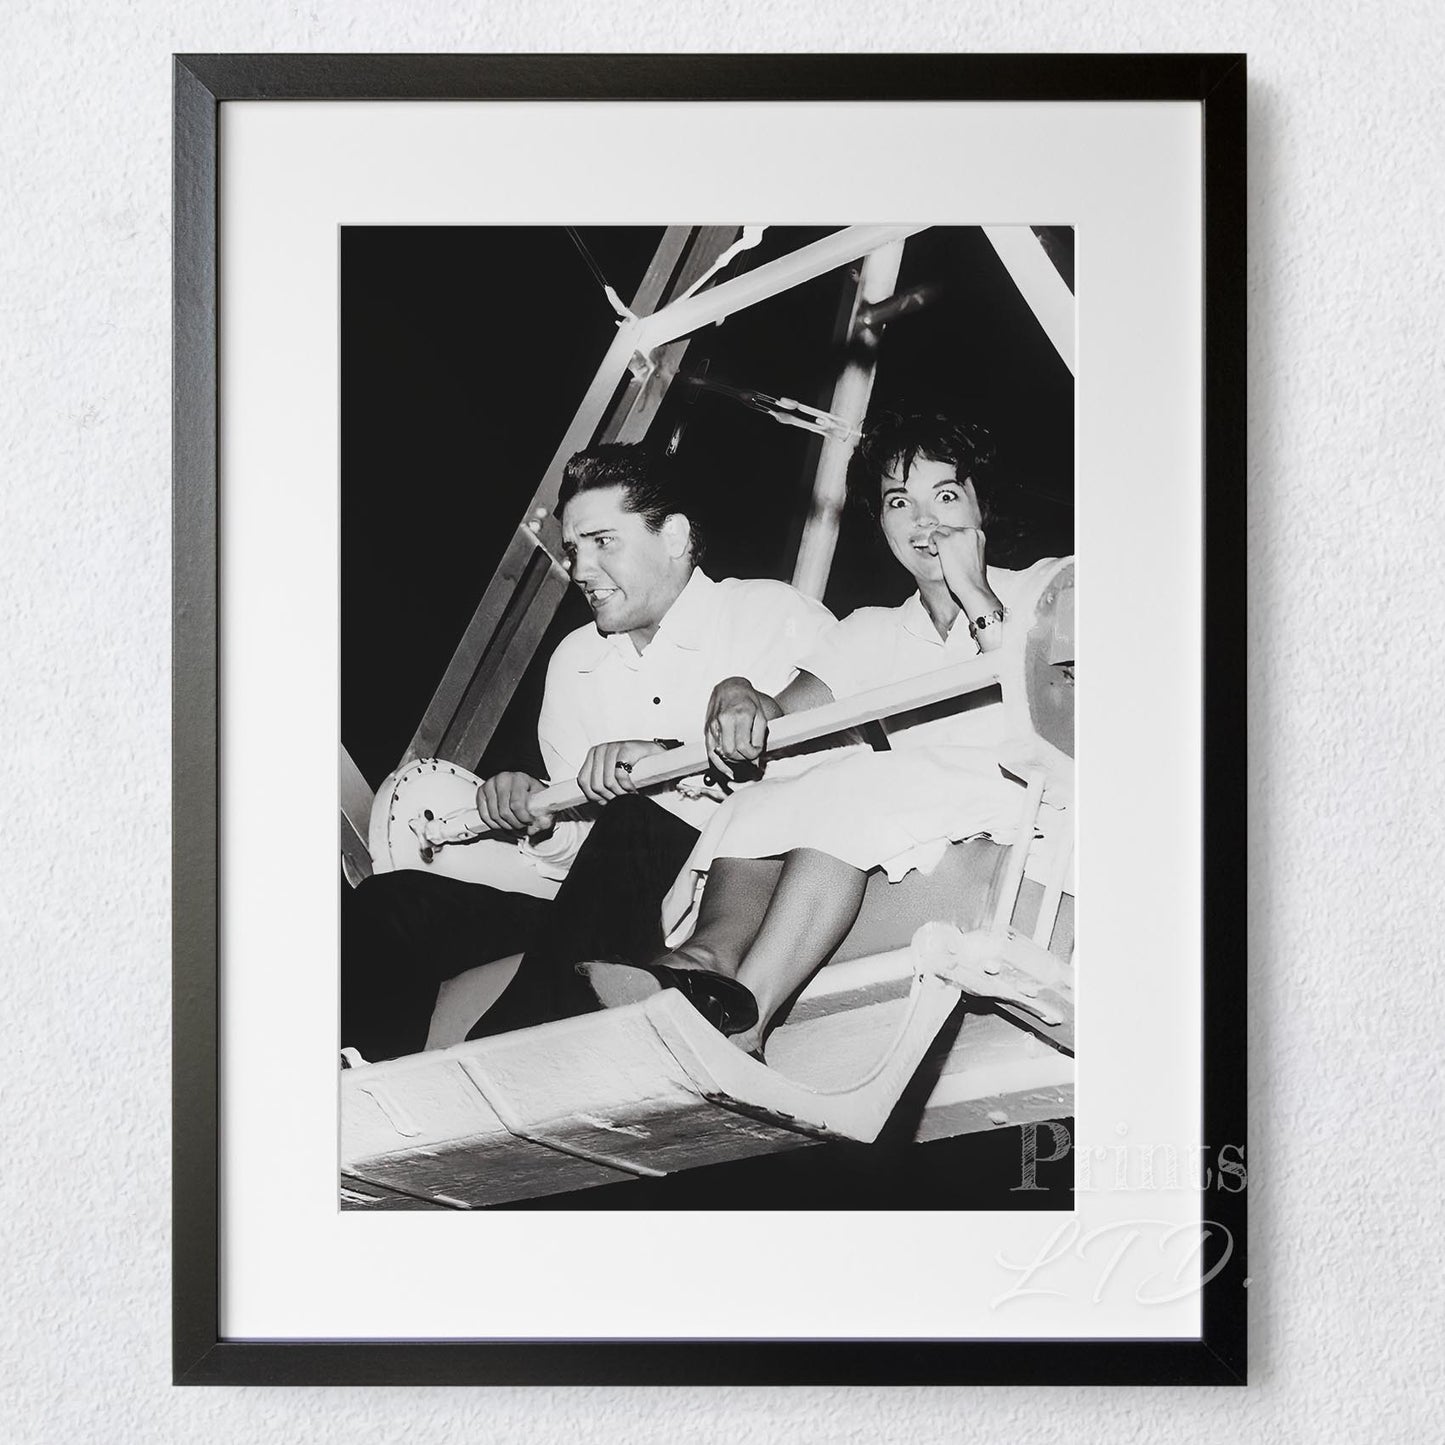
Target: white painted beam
(876,282)
(769,280)
(1040,284)
(356,805)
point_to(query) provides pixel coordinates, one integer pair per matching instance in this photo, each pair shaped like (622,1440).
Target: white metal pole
(1019,852)
(1054,892)
(1039,283)
(877,281)
(356,801)
(768,280)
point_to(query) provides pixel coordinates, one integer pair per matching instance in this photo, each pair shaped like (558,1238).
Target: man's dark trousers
(403,934)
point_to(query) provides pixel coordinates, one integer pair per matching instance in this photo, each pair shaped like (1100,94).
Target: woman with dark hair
(786,860)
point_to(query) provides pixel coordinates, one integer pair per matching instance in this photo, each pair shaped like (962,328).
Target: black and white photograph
(707,780)
(629,754)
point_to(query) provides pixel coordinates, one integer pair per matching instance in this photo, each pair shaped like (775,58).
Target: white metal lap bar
(786,732)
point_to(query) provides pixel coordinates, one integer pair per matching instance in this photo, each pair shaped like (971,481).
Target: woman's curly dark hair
(893,440)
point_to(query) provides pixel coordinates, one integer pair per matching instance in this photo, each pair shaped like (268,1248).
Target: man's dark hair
(893,441)
(653,484)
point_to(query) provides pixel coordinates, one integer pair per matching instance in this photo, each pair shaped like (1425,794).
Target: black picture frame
(201,84)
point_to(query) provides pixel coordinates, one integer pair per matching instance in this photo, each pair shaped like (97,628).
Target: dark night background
(465,353)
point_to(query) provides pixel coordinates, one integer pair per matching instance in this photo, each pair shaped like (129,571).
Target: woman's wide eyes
(943,496)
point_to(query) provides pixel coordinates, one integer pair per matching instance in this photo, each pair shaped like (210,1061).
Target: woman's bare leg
(733,905)
(767,922)
(813,906)
(738,893)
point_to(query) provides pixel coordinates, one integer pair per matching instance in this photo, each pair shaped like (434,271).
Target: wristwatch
(989,619)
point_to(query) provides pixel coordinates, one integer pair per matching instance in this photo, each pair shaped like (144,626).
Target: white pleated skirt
(895,810)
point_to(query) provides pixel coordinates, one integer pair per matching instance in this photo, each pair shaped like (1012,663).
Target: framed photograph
(629,756)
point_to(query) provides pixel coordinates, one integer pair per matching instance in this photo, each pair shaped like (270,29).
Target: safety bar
(801,727)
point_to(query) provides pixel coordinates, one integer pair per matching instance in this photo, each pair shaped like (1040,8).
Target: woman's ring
(621,767)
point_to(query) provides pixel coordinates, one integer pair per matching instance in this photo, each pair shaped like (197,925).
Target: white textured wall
(1347,277)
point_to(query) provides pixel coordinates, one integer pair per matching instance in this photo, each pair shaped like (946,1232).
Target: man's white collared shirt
(601,689)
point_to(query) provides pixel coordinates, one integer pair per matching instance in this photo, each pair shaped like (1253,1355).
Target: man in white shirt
(633,680)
